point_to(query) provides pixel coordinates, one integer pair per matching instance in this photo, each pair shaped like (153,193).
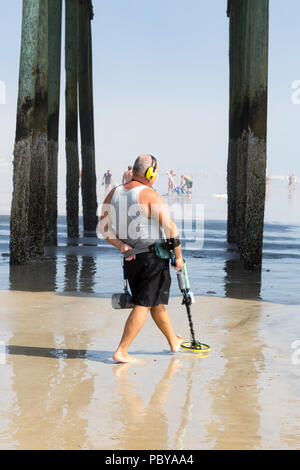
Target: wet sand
(60,389)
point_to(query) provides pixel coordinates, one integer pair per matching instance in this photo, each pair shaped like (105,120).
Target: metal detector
(187,300)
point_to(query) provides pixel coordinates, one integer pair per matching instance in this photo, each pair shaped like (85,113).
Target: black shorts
(149,279)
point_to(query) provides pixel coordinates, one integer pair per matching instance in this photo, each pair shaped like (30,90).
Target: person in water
(148,275)
(188,182)
(107,180)
(171,174)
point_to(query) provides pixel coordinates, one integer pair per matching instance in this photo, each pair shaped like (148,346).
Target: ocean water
(89,266)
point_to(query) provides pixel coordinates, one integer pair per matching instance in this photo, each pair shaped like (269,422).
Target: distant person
(268,183)
(292,179)
(80,177)
(188,182)
(107,180)
(127,177)
(171,174)
(292,188)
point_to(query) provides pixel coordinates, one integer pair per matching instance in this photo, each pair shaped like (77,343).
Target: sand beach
(60,389)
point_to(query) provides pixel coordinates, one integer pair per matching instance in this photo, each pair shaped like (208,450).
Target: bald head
(141,164)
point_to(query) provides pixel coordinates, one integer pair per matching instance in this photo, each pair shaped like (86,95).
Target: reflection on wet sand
(71,273)
(235,393)
(35,277)
(186,409)
(44,390)
(47,393)
(59,387)
(239,283)
(79,274)
(87,274)
(80,278)
(292,194)
(144,426)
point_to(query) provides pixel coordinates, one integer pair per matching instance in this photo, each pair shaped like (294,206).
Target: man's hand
(124,248)
(179,263)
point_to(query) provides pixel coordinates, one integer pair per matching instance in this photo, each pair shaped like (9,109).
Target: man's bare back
(127,177)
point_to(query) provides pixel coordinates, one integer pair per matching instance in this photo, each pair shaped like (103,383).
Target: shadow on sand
(89,354)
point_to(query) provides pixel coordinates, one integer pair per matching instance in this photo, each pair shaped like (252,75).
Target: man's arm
(105,227)
(155,207)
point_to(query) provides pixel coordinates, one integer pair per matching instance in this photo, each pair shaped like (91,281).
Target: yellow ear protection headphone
(150,173)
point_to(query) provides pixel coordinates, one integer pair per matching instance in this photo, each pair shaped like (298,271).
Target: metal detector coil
(198,347)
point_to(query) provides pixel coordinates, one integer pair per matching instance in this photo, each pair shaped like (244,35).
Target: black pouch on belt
(161,251)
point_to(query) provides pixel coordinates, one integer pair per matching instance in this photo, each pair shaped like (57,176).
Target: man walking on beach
(148,274)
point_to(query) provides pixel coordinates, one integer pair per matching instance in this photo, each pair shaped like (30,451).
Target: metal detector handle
(172,257)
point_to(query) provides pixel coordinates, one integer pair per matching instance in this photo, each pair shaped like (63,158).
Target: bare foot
(175,346)
(118,356)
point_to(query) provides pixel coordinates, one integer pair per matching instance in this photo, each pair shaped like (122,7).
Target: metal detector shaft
(184,286)
(188,310)
(186,278)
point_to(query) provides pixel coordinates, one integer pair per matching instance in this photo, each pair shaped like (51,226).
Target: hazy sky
(161,84)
